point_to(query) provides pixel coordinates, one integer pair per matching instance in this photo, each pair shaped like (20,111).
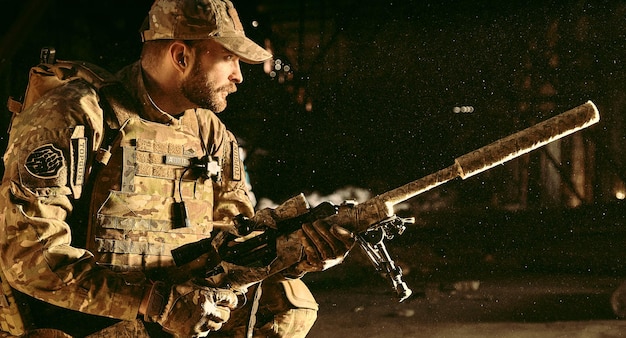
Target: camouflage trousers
(274,309)
(39,333)
(123,329)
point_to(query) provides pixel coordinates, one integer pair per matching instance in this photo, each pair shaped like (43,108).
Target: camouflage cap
(202,19)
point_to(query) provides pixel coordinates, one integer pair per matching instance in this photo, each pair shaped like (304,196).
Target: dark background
(369,102)
(381,77)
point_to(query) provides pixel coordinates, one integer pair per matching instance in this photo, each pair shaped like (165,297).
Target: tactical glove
(190,310)
(325,245)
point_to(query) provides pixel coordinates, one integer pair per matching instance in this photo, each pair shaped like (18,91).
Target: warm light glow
(463,109)
(619,187)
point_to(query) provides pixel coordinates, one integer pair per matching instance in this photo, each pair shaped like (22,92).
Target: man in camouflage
(109,272)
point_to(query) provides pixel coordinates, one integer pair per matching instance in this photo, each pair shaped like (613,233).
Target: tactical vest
(136,210)
(149,198)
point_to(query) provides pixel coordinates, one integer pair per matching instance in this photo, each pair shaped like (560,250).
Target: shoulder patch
(45,162)
(236,161)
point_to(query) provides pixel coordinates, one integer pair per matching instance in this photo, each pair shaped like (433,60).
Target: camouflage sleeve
(45,162)
(231,193)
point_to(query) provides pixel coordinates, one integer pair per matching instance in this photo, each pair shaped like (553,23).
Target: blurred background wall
(376,95)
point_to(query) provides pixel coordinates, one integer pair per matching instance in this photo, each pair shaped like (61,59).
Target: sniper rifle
(239,262)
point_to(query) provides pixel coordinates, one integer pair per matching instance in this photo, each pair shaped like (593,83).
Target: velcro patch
(45,162)
(236,161)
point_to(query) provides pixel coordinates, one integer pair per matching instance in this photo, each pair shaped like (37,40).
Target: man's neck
(164,95)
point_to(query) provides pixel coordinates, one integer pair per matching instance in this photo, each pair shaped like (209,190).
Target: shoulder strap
(117,104)
(51,73)
(117,100)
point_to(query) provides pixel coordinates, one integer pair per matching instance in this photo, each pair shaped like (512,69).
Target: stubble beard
(199,90)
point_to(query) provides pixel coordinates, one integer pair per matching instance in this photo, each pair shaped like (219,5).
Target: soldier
(88,220)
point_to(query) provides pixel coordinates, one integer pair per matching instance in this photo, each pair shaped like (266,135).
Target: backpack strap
(47,55)
(117,99)
(116,102)
(51,73)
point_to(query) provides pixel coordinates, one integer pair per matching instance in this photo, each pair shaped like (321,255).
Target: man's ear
(179,54)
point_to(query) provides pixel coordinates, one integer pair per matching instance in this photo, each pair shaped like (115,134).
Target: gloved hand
(192,310)
(325,245)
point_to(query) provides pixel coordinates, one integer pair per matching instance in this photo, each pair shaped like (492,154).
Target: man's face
(214,74)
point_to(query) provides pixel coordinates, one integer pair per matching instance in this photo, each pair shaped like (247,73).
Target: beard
(204,93)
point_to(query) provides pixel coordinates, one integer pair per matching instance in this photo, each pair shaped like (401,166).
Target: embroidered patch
(236,162)
(45,162)
(78,158)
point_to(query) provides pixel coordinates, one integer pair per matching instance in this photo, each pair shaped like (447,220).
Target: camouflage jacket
(42,242)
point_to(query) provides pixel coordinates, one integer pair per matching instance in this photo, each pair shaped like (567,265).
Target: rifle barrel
(500,151)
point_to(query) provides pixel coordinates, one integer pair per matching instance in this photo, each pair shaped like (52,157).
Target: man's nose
(236,76)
